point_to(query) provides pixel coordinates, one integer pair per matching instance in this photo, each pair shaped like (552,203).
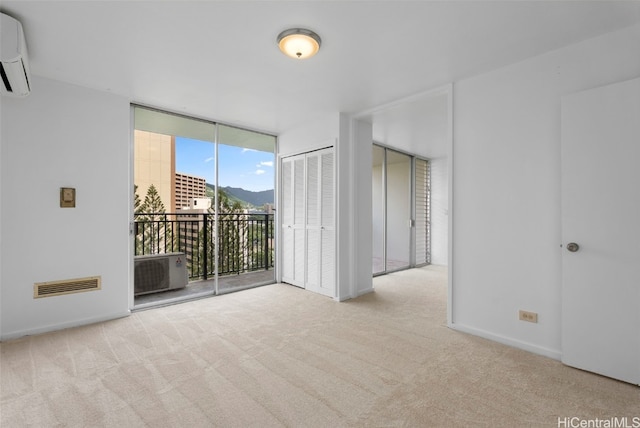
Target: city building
(188,188)
(155,163)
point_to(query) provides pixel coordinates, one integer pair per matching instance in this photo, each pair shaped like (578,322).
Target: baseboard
(357,294)
(365,291)
(62,326)
(525,346)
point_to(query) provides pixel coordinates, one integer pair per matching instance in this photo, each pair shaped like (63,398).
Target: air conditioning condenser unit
(160,272)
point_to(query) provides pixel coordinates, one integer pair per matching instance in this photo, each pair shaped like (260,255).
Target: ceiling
(219,59)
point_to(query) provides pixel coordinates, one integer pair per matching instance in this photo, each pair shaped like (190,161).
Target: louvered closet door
(293,242)
(287,220)
(312,279)
(299,220)
(308,221)
(327,224)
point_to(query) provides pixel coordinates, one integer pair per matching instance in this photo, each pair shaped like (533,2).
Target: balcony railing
(245,241)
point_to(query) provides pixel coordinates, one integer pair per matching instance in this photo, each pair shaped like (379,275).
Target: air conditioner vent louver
(14,62)
(5,79)
(57,288)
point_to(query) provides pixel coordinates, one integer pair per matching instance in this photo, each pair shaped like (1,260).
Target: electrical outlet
(528,316)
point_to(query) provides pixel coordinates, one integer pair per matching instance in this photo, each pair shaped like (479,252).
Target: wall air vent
(58,288)
(14,64)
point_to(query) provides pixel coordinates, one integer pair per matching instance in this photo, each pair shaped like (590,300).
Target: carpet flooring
(281,356)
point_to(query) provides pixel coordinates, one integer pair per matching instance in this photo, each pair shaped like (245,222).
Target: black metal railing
(245,241)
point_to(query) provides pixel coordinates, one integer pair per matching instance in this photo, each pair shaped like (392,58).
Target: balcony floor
(200,288)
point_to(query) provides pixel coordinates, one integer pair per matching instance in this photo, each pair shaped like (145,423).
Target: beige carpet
(281,356)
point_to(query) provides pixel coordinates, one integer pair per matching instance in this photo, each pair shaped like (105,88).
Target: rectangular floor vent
(57,288)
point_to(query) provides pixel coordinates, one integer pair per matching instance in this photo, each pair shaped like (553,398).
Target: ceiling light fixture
(299,43)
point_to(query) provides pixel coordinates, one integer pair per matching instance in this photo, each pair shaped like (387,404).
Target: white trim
(440,90)
(363,292)
(450,167)
(525,346)
(277,218)
(216,215)
(131,246)
(277,276)
(64,325)
(353,209)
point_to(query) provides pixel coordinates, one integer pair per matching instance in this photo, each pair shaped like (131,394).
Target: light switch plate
(67,197)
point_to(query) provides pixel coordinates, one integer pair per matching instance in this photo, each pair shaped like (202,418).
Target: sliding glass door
(400,201)
(379,209)
(203,207)
(398,209)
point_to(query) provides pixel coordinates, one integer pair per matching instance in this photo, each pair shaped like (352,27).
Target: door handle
(573,247)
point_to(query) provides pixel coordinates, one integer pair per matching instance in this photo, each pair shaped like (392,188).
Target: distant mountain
(257,199)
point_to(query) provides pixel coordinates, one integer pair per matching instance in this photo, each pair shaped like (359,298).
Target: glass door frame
(231,134)
(412,210)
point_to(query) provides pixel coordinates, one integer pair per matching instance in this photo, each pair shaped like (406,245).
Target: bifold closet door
(308,221)
(293,220)
(312,276)
(320,276)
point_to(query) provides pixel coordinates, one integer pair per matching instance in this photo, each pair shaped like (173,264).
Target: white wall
(439,211)
(317,134)
(63,136)
(506,187)
(361,219)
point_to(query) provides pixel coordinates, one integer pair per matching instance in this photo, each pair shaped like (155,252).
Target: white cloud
(260,171)
(244,150)
(266,163)
(209,159)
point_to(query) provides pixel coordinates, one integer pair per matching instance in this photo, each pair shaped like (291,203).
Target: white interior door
(312,282)
(299,221)
(292,214)
(601,213)
(286,192)
(327,224)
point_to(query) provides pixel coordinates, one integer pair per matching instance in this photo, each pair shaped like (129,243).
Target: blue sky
(249,169)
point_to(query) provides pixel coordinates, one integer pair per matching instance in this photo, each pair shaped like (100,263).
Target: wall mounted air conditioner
(159,272)
(14,64)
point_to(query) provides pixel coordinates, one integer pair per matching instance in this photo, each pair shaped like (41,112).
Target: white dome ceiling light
(299,43)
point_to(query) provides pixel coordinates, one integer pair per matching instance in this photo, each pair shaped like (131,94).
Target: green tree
(152,204)
(232,242)
(155,230)
(136,200)
(136,212)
